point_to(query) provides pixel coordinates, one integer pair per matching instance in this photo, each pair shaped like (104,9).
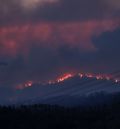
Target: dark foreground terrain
(54,117)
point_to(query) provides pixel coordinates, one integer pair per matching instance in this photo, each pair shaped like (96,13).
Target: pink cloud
(19,39)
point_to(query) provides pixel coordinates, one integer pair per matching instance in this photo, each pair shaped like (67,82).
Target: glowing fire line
(68,76)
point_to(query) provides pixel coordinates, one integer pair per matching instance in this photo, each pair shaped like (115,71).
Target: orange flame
(67,76)
(64,77)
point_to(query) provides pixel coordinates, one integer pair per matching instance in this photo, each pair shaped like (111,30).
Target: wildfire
(116,80)
(28,84)
(25,85)
(99,77)
(81,75)
(64,77)
(67,76)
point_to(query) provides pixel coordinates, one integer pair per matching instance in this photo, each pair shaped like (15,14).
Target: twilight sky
(42,39)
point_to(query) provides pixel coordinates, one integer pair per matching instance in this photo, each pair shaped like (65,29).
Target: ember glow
(64,77)
(67,76)
(46,42)
(25,85)
(100,77)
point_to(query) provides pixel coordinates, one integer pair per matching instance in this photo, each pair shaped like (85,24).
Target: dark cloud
(9,11)
(75,10)
(45,50)
(108,45)
(80,9)
(64,10)
(45,63)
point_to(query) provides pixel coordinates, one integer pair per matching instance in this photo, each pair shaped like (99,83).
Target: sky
(42,39)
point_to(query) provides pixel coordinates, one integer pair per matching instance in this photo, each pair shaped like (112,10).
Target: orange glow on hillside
(116,80)
(64,77)
(68,76)
(25,85)
(99,77)
(29,84)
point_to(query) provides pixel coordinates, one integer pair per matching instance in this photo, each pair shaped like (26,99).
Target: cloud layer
(41,40)
(44,62)
(57,10)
